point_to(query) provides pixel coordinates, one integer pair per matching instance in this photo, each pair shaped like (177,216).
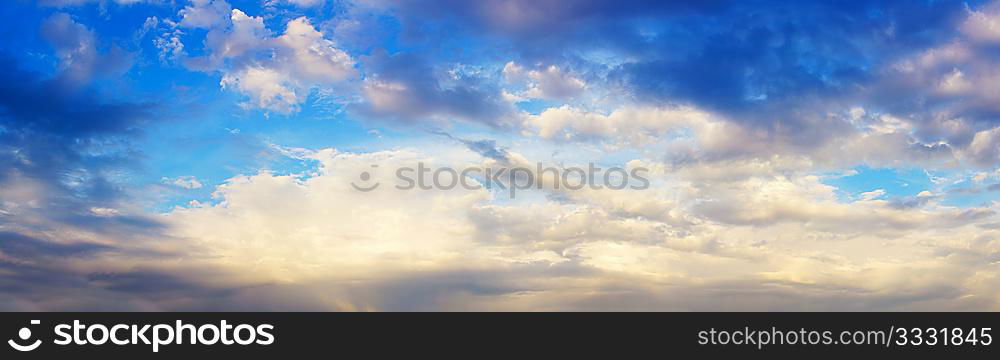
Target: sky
(165,155)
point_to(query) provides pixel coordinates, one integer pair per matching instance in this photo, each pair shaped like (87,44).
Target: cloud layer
(200,155)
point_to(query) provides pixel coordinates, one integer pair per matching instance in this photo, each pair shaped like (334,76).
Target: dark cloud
(760,62)
(60,150)
(975,189)
(911,202)
(34,287)
(650,31)
(486,147)
(64,150)
(406,88)
(68,146)
(544,29)
(21,246)
(763,295)
(779,68)
(79,53)
(434,291)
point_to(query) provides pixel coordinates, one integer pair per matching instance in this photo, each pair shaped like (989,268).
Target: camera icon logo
(25,334)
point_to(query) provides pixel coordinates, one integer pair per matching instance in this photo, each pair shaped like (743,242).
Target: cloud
(20,246)
(547,83)
(63,148)
(759,232)
(311,56)
(205,14)
(62,201)
(751,64)
(684,244)
(68,3)
(347,232)
(406,88)
(739,111)
(487,148)
(872,195)
(945,94)
(702,141)
(985,147)
(304,3)
(266,87)
(277,73)
(186,182)
(77,50)
(543,29)
(983,25)
(636,126)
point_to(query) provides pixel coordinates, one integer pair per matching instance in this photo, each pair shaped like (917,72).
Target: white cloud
(266,87)
(186,182)
(316,234)
(276,73)
(169,44)
(547,83)
(955,83)
(349,241)
(691,137)
(310,57)
(770,241)
(985,147)
(205,14)
(983,25)
(243,35)
(872,195)
(633,125)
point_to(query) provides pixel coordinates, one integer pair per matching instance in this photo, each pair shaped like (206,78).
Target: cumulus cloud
(985,147)
(205,14)
(266,87)
(318,235)
(679,245)
(277,73)
(310,56)
(983,25)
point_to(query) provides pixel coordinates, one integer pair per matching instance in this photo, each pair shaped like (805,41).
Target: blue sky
(790,144)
